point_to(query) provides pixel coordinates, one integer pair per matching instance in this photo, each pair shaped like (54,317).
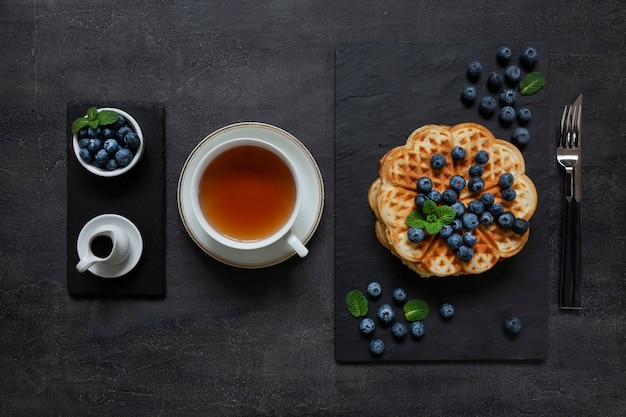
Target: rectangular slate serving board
(384,91)
(138,195)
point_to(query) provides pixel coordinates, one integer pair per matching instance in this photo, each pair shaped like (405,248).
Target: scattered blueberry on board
(374,289)
(512,325)
(446,310)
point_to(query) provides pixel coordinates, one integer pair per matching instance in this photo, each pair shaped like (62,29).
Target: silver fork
(569,156)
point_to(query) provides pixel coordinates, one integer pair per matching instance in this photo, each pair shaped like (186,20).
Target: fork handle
(571,257)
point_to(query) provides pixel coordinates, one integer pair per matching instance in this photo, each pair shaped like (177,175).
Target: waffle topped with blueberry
(453,200)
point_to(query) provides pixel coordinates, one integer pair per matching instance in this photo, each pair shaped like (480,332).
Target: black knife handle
(571,257)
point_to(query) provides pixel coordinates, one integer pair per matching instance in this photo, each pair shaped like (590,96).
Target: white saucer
(312,200)
(136,245)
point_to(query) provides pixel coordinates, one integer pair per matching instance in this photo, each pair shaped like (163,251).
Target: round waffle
(392,197)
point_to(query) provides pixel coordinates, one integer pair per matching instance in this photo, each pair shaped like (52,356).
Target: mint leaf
(356,303)
(79,124)
(532,83)
(92,114)
(415,219)
(445,214)
(434,227)
(429,207)
(415,310)
(107,117)
(93,124)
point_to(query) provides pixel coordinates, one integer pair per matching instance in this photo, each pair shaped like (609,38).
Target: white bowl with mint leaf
(107,141)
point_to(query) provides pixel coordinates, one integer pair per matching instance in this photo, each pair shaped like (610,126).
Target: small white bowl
(103,172)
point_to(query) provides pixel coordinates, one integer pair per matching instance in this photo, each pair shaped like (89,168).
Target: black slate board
(384,92)
(138,195)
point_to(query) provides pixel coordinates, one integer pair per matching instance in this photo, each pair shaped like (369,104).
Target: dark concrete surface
(225,343)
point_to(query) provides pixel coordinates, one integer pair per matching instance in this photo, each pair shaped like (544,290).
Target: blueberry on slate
(94,145)
(476,170)
(508,194)
(131,140)
(506,180)
(437,161)
(465,253)
(101,157)
(399,295)
(124,157)
(524,115)
(506,220)
(529,57)
(476,184)
(520,226)
(417,329)
(111,146)
(448,196)
(482,157)
(435,196)
(367,326)
(457,183)
(470,221)
(415,235)
(496,209)
(486,218)
(420,199)
(474,69)
(445,231)
(108,133)
(468,95)
(508,97)
(495,80)
(487,199)
(94,132)
(476,207)
(503,55)
(507,114)
(512,325)
(454,241)
(374,289)
(399,329)
(457,224)
(111,164)
(85,154)
(458,153)
(377,346)
(488,105)
(446,310)
(122,131)
(385,313)
(424,185)
(521,136)
(469,239)
(512,73)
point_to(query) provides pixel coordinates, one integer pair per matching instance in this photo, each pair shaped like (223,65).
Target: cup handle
(295,243)
(86,262)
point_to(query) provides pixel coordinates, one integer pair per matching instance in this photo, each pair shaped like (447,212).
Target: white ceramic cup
(120,247)
(284,232)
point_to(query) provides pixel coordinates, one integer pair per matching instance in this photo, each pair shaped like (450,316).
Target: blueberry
(385,313)
(521,136)
(506,180)
(367,326)
(83,133)
(457,224)
(474,69)
(495,80)
(512,74)
(486,218)
(437,161)
(399,329)
(524,115)
(520,226)
(508,194)
(508,97)
(420,199)
(124,157)
(434,195)
(460,210)
(94,132)
(424,185)
(83,142)
(457,183)
(111,164)
(468,95)
(482,157)
(487,105)
(465,253)
(454,241)
(470,221)
(507,114)
(377,346)
(445,231)
(529,57)
(417,329)
(496,209)
(476,207)
(111,146)
(399,295)
(506,220)
(503,55)
(94,145)
(446,310)
(85,154)
(458,153)
(119,122)
(487,199)
(476,184)
(415,235)
(131,140)
(448,196)
(469,239)
(123,131)
(108,133)
(374,289)
(476,170)
(512,325)
(101,157)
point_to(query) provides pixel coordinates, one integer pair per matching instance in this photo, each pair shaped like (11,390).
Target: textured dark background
(224,342)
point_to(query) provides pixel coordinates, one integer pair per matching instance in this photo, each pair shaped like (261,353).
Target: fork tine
(562,129)
(576,130)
